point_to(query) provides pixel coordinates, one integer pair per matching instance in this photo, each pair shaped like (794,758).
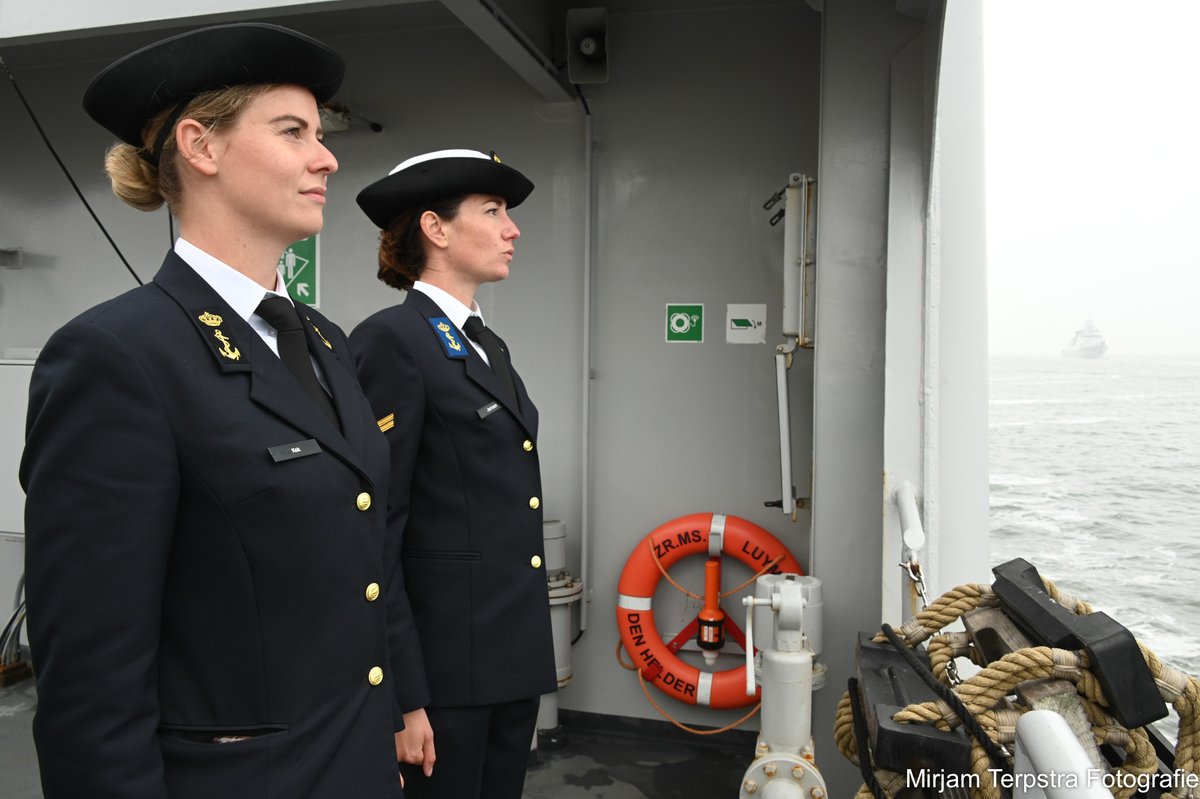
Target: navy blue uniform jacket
(465,500)
(183,583)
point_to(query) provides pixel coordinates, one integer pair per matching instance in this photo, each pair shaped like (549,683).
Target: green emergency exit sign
(300,267)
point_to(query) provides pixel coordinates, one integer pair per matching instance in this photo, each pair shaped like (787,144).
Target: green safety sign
(300,268)
(685,322)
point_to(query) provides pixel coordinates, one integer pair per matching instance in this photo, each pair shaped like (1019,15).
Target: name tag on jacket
(298,449)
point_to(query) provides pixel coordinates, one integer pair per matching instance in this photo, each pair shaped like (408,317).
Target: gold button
(375,675)
(535,503)
(363,501)
(527,446)
(372,592)
(535,561)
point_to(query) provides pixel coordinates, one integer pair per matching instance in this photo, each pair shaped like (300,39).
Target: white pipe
(795,238)
(782,789)
(1047,747)
(911,531)
(585,411)
(787,687)
(794,216)
(749,603)
(787,493)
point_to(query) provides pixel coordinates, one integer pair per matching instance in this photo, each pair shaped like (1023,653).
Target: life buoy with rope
(712,535)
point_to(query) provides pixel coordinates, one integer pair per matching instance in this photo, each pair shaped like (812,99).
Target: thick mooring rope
(942,611)
(985,692)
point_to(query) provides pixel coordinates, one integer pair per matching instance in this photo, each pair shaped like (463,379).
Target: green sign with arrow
(300,267)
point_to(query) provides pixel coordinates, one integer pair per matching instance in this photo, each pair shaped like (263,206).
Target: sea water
(1095,479)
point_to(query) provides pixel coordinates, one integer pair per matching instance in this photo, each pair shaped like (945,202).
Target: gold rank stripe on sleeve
(387,423)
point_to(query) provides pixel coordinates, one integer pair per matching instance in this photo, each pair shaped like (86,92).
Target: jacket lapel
(238,350)
(482,375)
(477,371)
(338,370)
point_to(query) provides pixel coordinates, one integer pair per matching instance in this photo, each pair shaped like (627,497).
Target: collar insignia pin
(317,330)
(232,353)
(450,341)
(447,336)
(210,319)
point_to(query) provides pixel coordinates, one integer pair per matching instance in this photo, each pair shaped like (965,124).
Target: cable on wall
(63,167)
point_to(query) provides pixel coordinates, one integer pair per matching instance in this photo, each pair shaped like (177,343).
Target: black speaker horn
(587,45)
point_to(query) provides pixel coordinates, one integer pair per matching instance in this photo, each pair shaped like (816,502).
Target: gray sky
(1093,170)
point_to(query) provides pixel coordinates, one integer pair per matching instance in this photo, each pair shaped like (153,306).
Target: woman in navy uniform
(206,520)
(466,487)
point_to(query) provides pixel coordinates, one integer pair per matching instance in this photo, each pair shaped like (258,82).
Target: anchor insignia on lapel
(223,346)
(233,353)
(445,328)
(445,333)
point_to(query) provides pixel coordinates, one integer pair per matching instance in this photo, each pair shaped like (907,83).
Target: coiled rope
(982,695)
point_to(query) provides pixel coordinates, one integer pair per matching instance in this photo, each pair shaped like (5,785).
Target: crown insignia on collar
(447,336)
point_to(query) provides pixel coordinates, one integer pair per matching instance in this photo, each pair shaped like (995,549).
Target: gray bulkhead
(707,109)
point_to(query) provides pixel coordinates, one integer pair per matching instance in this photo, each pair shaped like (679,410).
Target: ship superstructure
(1086,343)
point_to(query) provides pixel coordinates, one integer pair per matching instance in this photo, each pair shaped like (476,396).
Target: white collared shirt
(455,311)
(239,292)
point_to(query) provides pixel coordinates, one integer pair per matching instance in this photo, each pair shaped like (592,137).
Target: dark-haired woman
(466,485)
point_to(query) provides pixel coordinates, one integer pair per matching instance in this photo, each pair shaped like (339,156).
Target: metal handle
(751,602)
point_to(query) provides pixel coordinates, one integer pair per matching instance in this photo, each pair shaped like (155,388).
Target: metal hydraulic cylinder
(783,767)
(787,706)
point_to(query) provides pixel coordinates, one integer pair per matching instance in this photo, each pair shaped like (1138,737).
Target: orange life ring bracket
(711,535)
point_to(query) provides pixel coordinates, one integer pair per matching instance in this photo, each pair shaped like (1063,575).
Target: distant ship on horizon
(1086,343)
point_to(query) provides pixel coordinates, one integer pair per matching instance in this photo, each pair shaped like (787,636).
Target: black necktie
(280,314)
(496,350)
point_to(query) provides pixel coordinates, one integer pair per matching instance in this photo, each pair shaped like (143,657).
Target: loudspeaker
(587,45)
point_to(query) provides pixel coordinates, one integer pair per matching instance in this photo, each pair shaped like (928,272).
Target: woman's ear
(434,230)
(196,148)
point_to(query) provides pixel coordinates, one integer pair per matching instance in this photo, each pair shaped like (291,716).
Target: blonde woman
(206,482)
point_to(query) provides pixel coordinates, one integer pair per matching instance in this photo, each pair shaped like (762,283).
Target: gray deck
(598,757)
(18,762)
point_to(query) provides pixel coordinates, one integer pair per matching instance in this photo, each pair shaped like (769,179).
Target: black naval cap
(129,92)
(440,175)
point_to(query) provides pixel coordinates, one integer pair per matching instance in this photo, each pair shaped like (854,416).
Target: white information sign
(746,324)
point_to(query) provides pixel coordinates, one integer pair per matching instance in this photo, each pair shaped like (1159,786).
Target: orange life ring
(709,534)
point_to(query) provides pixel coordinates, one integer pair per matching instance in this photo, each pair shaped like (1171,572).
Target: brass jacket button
(535,503)
(527,446)
(535,561)
(375,675)
(363,501)
(372,592)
